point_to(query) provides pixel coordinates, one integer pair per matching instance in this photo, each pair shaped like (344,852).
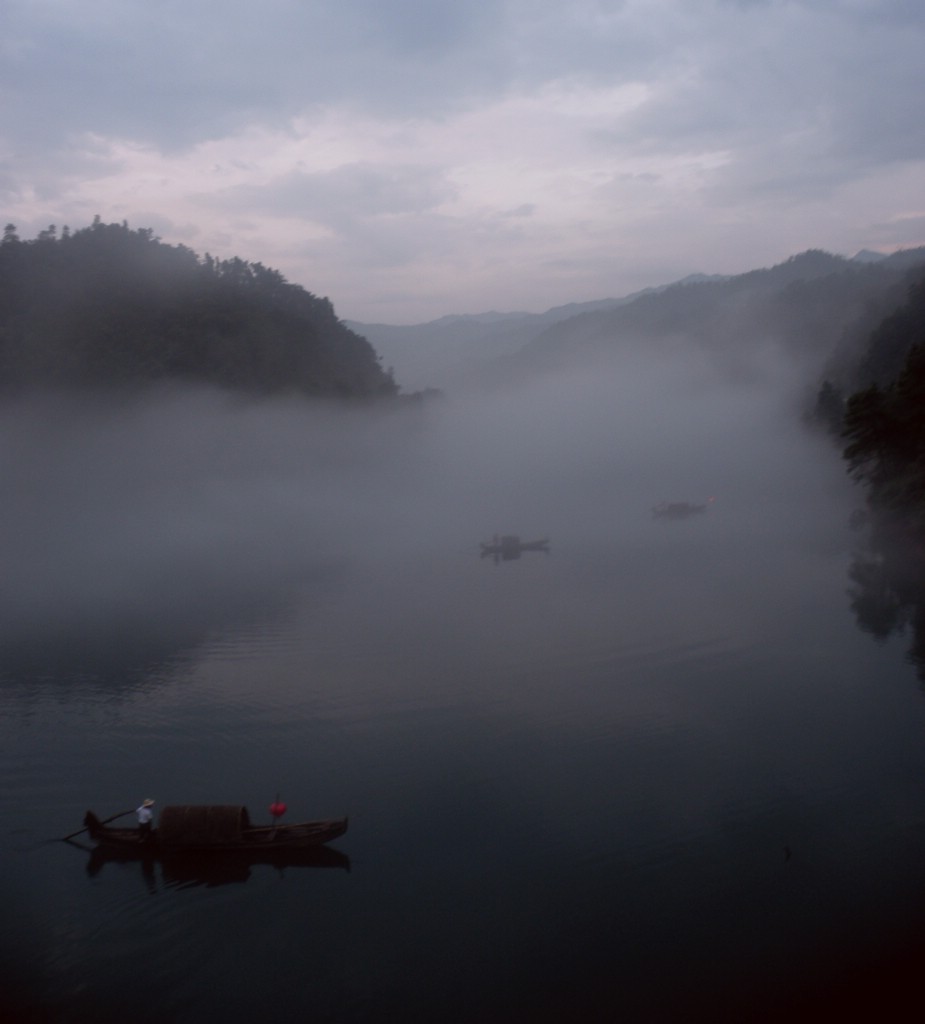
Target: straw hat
(147,803)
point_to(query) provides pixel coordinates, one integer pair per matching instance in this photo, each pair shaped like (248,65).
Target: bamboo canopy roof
(201,826)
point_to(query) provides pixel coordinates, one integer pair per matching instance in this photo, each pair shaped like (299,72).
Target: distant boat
(216,830)
(510,546)
(679,509)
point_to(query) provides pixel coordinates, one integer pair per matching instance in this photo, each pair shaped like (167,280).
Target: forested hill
(816,306)
(884,422)
(107,306)
(883,427)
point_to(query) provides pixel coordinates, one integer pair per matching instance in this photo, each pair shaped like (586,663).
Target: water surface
(658,773)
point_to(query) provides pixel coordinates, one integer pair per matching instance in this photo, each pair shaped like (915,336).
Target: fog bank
(176,516)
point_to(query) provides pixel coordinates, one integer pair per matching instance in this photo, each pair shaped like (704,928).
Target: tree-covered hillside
(884,422)
(883,427)
(107,306)
(812,306)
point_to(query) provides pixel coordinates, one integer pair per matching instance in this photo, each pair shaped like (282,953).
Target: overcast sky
(413,158)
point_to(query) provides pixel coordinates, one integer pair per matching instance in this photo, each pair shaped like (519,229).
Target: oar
(121,814)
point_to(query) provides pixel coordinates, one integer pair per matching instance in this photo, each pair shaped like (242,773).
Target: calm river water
(655,774)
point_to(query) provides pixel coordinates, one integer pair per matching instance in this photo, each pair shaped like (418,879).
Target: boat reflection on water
(184,870)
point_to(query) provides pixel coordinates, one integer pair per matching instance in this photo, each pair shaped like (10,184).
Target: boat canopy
(202,826)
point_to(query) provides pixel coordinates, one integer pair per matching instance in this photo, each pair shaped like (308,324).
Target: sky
(411,159)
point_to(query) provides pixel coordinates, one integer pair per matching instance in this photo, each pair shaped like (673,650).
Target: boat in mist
(680,509)
(510,546)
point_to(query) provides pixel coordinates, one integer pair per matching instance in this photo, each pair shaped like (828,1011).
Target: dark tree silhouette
(884,428)
(115,307)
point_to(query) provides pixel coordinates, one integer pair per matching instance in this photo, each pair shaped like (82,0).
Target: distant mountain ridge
(815,304)
(455,347)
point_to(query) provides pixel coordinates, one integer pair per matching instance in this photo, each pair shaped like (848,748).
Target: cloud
(334,141)
(909,227)
(343,194)
(173,74)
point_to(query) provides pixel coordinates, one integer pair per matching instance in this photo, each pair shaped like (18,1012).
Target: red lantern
(277,809)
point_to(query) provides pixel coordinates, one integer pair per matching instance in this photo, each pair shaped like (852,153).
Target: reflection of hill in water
(888,584)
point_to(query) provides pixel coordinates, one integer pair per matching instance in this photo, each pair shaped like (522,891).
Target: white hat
(147,803)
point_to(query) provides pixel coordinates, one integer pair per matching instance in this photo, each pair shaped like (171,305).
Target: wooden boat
(510,546)
(216,830)
(201,867)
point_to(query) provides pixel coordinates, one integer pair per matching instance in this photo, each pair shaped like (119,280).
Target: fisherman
(145,816)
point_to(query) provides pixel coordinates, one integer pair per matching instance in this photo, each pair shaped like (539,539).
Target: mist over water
(573,769)
(184,508)
(166,515)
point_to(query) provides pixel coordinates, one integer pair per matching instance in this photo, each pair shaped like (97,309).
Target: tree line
(109,306)
(882,428)
(883,423)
